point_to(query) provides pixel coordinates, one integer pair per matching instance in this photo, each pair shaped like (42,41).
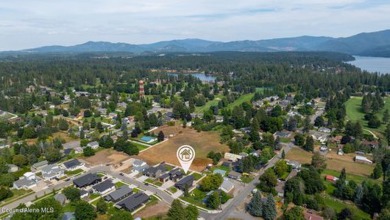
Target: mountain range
(364,44)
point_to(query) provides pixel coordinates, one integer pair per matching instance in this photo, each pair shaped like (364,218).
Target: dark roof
(103,186)
(119,193)
(86,180)
(83,192)
(153,170)
(174,172)
(165,175)
(72,163)
(188,180)
(134,201)
(68,151)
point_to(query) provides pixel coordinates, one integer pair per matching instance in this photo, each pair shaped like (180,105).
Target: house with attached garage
(27,181)
(39,165)
(226,185)
(139,165)
(133,202)
(185,182)
(103,187)
(73,164)
(155,171)
(94,145)
(87,180)
(119,194)
(52,171)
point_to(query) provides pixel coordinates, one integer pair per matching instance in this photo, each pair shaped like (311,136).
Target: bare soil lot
(202,142)
(107,156)
(159,209)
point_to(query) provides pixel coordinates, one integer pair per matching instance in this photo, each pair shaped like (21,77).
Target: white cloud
(31,23)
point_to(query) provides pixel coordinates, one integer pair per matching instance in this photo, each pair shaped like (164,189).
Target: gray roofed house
(220,172)
(133,202)
(73,164)
(27,181)
(234,175)
(50,172)
(83,193)
(156,171)
(60,198)
(39,165)
(140,165)
(119,194)
(93,144)
(87,180)
(175,174)
(185,182)
(104,187)
(68,216)
(226,185)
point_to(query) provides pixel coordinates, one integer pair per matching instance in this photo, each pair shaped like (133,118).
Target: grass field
(299,155)
(354,113)
(241,99)
(334,162)
(202,142)
(206,107)
(340,205)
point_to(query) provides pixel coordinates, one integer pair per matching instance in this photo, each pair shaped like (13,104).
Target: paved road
(237,200)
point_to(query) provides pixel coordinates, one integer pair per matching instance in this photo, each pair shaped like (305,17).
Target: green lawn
(196,176)
(339,205)
(246,179)
(207,106)
(358,179)
(69,207)
(94,196)
(354,113)
(139,146)
(73,172)
(196,198)
(119,184)
(172,189)
(18,194)
(241,99)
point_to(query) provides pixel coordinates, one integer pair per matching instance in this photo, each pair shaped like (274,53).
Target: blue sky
(32,23)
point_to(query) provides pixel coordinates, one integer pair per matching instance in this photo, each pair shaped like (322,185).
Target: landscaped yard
(139,146)
(339,205)
(206,107)
(246,179)
(197,196)
(119,184)
(241,99)
(18,194)
(73,172)
(358,179)
(354,113)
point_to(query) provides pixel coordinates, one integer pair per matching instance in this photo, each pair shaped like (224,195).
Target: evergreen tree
(254,133)
(377,172)
(214,200)
(101,206)
(176,212)
(269,209)
(318,161)
(283,154)
(309,145)
(255,205)
(387,133)
(386,116)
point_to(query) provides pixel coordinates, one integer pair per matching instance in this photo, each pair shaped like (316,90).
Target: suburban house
(133,202)
(226,185)
(220,172)
(294,164)
(280,188)
(50,172)
(94,145)
(227,164)
(331,178)
(73,164)
(371,144)
(164,178)
(103,187)
(232,157)
(362,159)
(60,198)
(119,194)
(140,165)
(39,165)
(185,182)
(87,180)
(175,174)
(324,130)
(282,134)
(27,181)
(83,193)
(155,171)
(234,175)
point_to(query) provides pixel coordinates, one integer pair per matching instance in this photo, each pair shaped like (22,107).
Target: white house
(94,145)
(27,181)
(232,157)
(50,172)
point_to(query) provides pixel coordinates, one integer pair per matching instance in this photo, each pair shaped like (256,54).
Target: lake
(200,76)
(372,64)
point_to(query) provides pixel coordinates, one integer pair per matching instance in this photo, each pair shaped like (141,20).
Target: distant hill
(365,44)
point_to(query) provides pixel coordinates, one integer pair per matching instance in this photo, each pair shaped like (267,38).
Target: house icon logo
(185,153)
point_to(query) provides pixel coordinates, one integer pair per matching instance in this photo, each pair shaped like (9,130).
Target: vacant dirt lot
(202,142)
(107,156)
(334,161)
(160,209)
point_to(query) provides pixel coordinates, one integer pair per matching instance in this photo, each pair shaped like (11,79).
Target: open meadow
(202,142)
